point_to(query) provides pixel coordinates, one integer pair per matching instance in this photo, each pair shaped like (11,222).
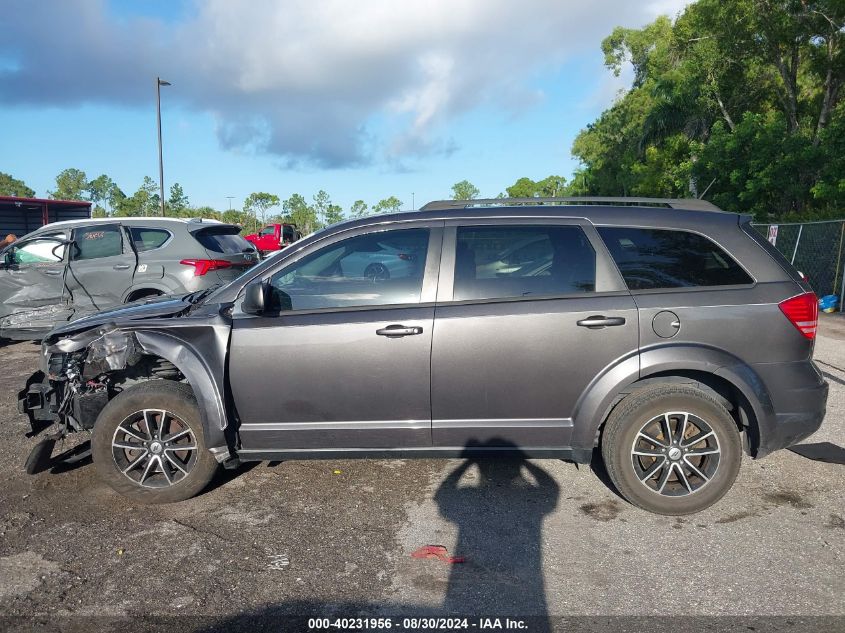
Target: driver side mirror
(254,296)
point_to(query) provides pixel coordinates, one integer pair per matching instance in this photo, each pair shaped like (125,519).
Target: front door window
(384,268)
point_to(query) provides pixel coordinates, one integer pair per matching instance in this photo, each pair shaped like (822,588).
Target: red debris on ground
(437,551)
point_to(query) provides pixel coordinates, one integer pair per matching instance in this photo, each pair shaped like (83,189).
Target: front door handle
(121,266)
(598,321)
(53,271)
(399,330)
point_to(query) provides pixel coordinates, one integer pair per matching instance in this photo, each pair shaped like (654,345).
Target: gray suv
(69,269)
(666,335)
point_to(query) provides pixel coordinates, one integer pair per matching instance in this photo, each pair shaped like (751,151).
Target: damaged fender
(110,347)
(207,383)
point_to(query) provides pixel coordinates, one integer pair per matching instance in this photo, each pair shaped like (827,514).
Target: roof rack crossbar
(692,204)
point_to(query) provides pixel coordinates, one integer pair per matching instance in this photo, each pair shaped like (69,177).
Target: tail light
(202,266)
(407,257)
(803,312)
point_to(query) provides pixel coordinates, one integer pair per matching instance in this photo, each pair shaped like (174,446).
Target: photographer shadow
(498,504)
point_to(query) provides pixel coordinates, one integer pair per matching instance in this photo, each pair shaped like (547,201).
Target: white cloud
(304,79)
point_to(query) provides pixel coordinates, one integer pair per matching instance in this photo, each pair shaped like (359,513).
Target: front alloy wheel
(148,443)
(154,448)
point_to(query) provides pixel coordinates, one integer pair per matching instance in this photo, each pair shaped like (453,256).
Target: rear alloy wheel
(675,454)
(671,449)
(153,454)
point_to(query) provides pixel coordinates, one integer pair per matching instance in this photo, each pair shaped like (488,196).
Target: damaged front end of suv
(88,363)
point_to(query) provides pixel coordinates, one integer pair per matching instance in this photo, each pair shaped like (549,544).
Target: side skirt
(530,452)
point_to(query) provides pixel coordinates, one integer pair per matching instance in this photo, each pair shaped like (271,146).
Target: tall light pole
(413,202)
(159,83)
(230,198)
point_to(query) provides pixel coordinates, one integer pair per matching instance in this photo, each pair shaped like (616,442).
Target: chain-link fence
(815,248)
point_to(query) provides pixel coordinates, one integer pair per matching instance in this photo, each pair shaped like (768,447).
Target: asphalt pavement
(335,538)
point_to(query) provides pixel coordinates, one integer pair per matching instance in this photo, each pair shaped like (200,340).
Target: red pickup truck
(274,237)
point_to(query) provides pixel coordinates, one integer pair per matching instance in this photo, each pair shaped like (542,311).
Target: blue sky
(393,99)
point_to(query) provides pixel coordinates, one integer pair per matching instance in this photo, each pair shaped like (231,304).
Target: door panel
(101,269)
(337,359)
(31,286)
(509,357)
(329,381)
(513,371)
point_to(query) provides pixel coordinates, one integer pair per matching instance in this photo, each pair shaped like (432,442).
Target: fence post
(842,293)
(838,262)
(797,241)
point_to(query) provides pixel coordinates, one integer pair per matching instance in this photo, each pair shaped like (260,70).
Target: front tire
(148,443)
(671,449)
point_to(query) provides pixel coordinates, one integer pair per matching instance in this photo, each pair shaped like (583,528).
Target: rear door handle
(399,330)
(121,267)
(598,321)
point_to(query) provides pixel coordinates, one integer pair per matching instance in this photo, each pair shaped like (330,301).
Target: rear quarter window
(223,239)
(658,258)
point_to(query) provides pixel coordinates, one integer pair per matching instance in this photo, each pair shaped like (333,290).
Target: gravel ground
(335,537)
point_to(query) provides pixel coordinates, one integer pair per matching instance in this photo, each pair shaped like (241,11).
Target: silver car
(66,270)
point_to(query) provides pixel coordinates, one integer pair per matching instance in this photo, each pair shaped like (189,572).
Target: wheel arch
(715,371)
(205,381)
(140,293)
(138,289)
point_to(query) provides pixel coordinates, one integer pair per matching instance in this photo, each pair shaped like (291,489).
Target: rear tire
(671,449)
(148,443)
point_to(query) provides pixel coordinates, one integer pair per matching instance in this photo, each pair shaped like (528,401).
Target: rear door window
(94,242)
(495,262)
(659,258)
(222,239)
(148,239)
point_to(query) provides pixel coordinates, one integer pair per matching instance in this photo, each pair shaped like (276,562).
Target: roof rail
(692,204)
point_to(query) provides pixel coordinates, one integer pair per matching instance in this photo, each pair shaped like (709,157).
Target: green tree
(464,190)
(206,212)
(177,203)
(322,202)
(11,186)
(258,204)
(358,209)
(334,214)
(388,205)
(297,211)
(71,184)
(116,200)
(235,216)
(522,188)
(99,191)
(548,187)
(738,99)
(144,202)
